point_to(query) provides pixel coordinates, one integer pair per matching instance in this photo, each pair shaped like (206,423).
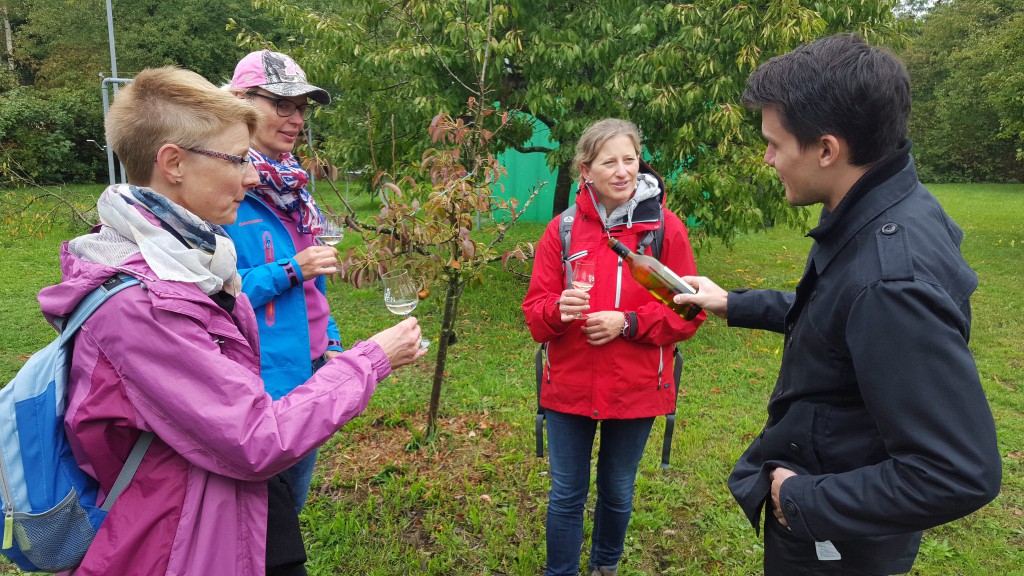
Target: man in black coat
(878,427)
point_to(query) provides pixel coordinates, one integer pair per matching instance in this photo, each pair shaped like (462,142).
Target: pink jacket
(165,358)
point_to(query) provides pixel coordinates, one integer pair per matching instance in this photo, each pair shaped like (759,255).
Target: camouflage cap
(276,73)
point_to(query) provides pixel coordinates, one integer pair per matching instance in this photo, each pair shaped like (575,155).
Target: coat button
(793,447)
(789,508)
(595,412)
(889,229)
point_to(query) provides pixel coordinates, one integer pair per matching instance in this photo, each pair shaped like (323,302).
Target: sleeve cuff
(378,359)
(293,272)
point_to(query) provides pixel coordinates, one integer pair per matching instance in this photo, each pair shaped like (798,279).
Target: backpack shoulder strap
(68,328)
(654,238)
(93,300)
(131,466)
(565,221)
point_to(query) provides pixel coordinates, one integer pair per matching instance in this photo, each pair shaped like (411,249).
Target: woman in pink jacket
(178,355)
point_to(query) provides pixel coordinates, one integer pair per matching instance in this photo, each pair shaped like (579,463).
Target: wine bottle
(657,278)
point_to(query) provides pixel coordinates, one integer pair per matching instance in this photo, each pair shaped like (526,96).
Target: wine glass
(400,296)
(583,277)
(334,230)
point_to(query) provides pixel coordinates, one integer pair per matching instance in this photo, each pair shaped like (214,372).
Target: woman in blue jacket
(282,265)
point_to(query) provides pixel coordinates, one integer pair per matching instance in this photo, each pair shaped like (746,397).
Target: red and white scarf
(283,184)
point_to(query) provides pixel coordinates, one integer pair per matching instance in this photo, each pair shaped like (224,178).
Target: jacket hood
(78,278)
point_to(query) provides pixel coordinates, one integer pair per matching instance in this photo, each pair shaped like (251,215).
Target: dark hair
(837,85)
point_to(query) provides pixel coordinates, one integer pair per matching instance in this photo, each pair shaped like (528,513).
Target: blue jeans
(570,444)
(299,477)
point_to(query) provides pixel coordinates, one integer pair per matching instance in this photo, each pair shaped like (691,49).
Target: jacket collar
(882,186)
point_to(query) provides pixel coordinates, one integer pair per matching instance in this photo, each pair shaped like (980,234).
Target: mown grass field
(473,501)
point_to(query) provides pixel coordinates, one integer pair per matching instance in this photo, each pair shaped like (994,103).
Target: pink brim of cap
(276,73)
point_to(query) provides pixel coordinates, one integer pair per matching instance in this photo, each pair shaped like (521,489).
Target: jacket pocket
(793,438)
(847,438)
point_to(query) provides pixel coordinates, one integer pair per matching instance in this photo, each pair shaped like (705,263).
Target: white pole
(110,37)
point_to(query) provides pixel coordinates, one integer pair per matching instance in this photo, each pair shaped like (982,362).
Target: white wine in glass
(400,296)
(334,230)
(583,278)
(583,275)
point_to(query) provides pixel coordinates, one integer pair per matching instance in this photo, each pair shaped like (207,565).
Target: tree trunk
(451,306)
(7,36)
(563,185)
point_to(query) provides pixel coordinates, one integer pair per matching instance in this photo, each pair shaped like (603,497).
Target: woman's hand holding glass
(317,261)
(401,342)
(575,301)
(322,259)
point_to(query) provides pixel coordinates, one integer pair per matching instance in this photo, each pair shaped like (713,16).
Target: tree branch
(412,22)
(532,149)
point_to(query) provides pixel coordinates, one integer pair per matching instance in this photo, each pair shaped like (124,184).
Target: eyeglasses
(242,161)
(285,107)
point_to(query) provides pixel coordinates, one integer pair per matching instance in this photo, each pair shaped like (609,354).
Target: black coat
(878,405)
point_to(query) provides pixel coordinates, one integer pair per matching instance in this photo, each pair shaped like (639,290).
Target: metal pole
(110,36)
(106,106)
(110,151)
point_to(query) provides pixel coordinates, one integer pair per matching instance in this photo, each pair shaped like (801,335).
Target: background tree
(60,54)
(430,218)
(966,64)
(676,69)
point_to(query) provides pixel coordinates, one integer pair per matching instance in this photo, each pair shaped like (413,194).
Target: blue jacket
(264,246)
(878,406)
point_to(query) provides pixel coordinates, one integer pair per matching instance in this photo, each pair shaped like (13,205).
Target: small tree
(435,216)
(435,221)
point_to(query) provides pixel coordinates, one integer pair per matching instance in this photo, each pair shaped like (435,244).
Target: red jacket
(625,378)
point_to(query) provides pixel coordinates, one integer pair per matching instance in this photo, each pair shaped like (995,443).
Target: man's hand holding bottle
(709,296)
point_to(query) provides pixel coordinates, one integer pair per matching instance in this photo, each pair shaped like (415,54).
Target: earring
(177,181)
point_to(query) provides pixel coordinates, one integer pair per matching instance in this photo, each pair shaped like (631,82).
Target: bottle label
(674,278)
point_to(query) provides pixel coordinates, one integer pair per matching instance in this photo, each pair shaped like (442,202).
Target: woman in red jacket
(609,350)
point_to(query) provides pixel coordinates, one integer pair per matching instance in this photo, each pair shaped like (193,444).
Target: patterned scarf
(175,243)
(283,184)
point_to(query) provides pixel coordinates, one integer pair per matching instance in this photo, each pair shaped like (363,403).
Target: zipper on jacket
(8,506)
(576,256)
(661,364)
(268,254)
(618,283)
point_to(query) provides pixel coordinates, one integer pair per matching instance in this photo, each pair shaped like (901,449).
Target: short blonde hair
(169,105)
(597,134)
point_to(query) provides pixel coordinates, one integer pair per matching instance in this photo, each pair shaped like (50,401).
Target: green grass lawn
(473,501)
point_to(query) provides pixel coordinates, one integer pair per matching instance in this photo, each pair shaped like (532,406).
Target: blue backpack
(49,504)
